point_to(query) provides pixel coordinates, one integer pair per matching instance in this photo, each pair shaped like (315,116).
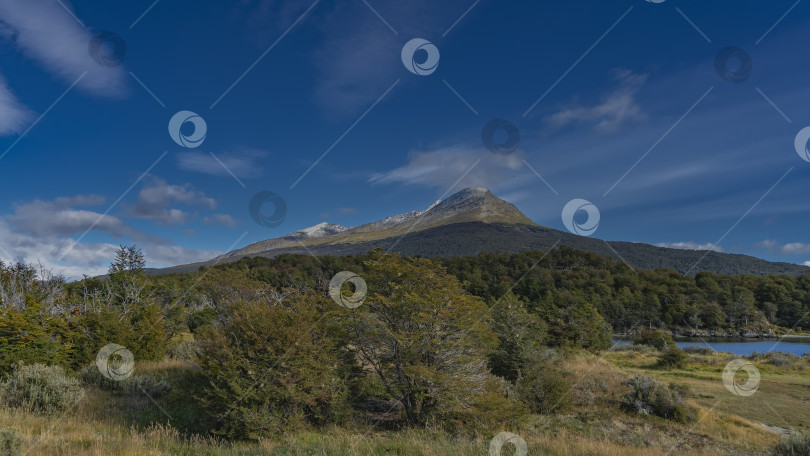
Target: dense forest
(455,343)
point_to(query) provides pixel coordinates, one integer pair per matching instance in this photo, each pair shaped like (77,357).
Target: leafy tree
(271,368)
(521,336)
(428,341)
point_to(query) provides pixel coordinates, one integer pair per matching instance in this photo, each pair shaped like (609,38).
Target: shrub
(658,339)
(40,389)
(698,350)
(648,396)
(186,350)
(780,359)
(545,388)
(137,384)
(271,369)
(147,384)
(633,348)
(794,445)
(91,377)
(673,357)
(10,442)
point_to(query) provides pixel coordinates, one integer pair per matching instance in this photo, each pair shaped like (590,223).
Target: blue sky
(598,90)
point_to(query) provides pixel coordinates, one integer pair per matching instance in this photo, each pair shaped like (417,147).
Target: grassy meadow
(110,423)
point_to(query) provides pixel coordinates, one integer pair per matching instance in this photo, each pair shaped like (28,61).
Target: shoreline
(749,337)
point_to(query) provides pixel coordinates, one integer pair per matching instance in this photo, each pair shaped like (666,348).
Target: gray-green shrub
(40,389)
(544,387)
(794,445)
(10,442)
(648,396)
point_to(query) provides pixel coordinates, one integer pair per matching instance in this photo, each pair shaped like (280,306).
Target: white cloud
(13,114)
(85,258)
(690,246)
(766,244)
(60,218)
(224,219)
(806,263)
(46,32)
(442,167)
(617,108)
(795,248)
(156,195)
(245,164)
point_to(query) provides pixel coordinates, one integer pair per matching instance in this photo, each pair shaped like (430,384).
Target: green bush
(40,389)
(10,442)
(674,357)
(794,445)
(698,350)
(271,369)
(186,349)
(648,396)
(137,384)
(149,385)
(635,348)
(658,339)
(545,388)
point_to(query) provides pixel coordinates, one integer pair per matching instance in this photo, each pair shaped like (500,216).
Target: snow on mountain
(319,230)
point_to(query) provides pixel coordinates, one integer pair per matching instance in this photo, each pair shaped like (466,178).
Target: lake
(740,346)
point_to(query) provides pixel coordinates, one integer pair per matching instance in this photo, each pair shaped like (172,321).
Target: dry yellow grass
(595,426)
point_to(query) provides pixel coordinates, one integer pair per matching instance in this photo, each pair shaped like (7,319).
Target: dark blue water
(742,347)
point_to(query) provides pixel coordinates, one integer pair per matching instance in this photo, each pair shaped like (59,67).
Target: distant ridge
(473,221)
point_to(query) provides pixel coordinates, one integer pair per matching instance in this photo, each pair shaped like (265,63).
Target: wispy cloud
(61,217)
(85,257)
(156,196)
(617,108)
(244,163)
(46,32)
(442,167)
(795,248)
(690,246)
(223,219)
(13,114)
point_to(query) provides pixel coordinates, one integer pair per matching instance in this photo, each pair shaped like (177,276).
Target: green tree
(428,341)
(272,368)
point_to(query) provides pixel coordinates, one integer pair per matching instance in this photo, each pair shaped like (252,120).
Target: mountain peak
(474,204)
(319,230)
